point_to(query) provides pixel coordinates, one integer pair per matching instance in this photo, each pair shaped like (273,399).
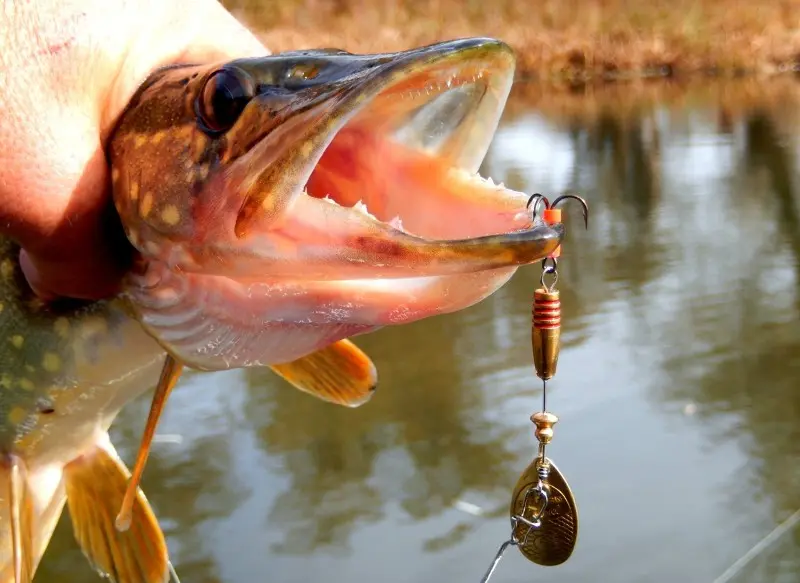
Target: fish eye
(223,98)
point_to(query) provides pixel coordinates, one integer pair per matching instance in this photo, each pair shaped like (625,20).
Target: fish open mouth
(369,168)
(342,196)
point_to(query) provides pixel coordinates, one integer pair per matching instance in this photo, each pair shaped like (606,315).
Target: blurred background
(678,380)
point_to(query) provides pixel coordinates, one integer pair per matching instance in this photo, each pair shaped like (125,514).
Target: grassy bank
(556,40)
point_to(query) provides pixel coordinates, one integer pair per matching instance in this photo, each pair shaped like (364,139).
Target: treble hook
(540,198)
(580,200)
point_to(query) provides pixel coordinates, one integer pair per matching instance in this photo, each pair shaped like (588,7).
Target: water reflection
(409,445)
(676,388)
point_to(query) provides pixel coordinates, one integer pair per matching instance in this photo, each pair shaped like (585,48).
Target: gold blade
(554,540)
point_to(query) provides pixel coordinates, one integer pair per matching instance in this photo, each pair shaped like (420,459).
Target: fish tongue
(431,197)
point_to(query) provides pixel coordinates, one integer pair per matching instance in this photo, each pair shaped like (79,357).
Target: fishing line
(762,545)
(172,573)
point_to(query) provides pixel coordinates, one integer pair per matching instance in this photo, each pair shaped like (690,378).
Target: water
(677,386)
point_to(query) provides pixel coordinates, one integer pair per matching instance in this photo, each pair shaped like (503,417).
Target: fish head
(284,202)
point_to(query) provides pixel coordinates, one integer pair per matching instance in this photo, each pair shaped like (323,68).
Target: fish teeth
(361,207)
(396,223)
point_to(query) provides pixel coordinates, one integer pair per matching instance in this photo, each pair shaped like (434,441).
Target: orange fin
(20,511)
(339,373)
(95,485)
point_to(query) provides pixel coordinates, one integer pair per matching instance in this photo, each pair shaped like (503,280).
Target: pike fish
(278,207)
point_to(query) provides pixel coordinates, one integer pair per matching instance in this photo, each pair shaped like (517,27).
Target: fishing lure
(543,510)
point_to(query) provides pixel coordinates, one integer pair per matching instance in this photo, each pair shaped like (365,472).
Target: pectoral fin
(95,485)
(339,373)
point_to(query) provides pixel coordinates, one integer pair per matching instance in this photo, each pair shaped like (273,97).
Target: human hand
(67,70)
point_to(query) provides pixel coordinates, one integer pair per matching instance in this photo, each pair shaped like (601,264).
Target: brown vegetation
(556,40)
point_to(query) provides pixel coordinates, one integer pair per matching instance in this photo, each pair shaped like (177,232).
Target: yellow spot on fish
(157,137)
(147,204)
(170,215)
(134,192)
(139,140)
(5,381)
(61,327)
(17,341)
(306,148)
(17,415)
(114,174)
(185,132)
(6,268)
(51,362)
(199,143)
(25,384)
(30,368)
(202,171)
(1,306)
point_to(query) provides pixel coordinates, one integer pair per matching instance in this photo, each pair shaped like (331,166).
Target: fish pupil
(225,95)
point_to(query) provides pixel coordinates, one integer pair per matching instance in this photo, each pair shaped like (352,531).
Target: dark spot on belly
(45,406)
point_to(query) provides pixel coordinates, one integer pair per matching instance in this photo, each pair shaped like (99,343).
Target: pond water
(678,387)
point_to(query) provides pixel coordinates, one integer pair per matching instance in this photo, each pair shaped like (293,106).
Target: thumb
(185,31)
(86,255)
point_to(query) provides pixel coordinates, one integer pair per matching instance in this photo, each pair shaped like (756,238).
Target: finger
(75,279)
(86,257)
(184,31)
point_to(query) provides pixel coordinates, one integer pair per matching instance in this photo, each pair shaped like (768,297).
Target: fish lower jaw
(216,322)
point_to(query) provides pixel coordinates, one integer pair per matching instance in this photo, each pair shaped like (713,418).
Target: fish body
(65,372)
(278,207)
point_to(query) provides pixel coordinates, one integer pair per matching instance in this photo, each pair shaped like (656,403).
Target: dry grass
(572,40)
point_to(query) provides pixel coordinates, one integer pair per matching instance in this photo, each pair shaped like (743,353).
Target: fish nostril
(47,411)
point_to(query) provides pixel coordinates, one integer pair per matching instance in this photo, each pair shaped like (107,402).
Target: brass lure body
(546,332)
